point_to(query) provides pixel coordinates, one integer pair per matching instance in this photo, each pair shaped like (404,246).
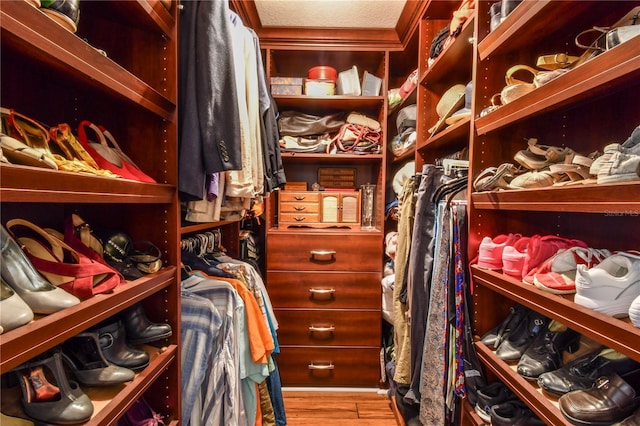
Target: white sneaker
(634,312)
(611,286)
(630,146)
(620,167)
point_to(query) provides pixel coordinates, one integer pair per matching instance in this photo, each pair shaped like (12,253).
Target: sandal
(495,178)
(80,275)
(106,157)
(567,174)
(537,157)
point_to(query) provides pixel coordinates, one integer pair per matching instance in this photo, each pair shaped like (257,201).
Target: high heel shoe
(14,312)
(41,296)
(80,275)
(106,157)
(83,354)
(61,402)
(134,169)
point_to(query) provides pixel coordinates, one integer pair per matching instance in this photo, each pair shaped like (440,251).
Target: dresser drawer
(300,208)
(302,366)
(314,251)
(299,218)
(299,197)
(329,290)
(328,327)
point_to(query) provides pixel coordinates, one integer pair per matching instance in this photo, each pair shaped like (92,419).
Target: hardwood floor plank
(322,408)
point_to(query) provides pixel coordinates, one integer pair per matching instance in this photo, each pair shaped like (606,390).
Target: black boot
(114,346)
(140,329)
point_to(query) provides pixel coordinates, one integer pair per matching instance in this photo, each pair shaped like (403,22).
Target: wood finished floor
(310,408)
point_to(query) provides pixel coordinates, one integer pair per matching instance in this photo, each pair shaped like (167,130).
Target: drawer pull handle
(299,197)
(322,291)
(299,208)
(322,328)
(328,366)
(323,255)
(299,218)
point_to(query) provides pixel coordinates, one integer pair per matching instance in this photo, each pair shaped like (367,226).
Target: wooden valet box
(319,209)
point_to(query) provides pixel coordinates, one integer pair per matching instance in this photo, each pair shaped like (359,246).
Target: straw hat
(466,110)
(451,100)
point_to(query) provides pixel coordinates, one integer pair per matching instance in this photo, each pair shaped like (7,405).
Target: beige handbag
(516,88)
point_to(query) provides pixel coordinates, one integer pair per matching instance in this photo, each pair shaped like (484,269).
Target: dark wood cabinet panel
(322,367)
(328,327)
(325,290)
(318,251)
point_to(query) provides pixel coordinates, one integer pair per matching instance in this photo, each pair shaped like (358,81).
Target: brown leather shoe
(611,400)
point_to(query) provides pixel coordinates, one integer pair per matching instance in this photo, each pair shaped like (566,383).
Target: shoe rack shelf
(545,408)
(585,321)
(54,76)
(584,109)
(55,328)
(613,199)
(32,33)
(67,187)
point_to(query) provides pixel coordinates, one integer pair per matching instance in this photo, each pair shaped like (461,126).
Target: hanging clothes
(207,141)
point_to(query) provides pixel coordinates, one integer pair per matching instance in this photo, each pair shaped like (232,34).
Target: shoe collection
(104,355)
(542,166)
(94,151)
(45,271)
(598,386)
(605,281)
(497,405)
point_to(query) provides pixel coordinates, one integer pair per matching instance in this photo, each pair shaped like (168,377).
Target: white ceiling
(330,13)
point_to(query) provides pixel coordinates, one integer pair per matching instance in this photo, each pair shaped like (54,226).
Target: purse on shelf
(555,62)
(516,88)
(355,139)
(296,123)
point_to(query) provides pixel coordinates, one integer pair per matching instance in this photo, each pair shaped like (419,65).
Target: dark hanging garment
(209,131)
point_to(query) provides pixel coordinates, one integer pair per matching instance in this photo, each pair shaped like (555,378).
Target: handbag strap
(511,80)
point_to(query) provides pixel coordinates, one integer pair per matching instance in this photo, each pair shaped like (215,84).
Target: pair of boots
(119,334)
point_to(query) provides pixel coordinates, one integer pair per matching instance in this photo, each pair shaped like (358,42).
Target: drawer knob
(299,197)
(299,208)
(322,328)
(326,293)
(323,255)
(299,218)
(328,366)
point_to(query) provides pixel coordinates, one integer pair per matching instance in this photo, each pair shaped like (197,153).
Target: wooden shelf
(585,321)
(614,70)
(47,331)
(613,199)
(57,186)
(452,63)
(335,102)
(30,31)
(524,390)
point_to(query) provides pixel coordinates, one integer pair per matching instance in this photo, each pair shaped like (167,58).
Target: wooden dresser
(324,267)
(325,288)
